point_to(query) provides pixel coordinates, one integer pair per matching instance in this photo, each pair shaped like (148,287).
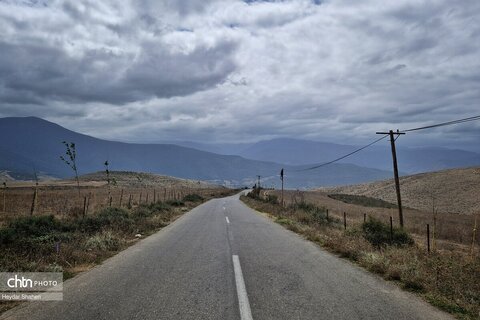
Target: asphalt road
(224,261)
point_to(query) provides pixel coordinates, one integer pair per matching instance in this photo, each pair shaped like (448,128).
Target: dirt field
(62,197)
(450,191)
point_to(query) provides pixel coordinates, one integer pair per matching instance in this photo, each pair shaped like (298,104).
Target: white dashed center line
(226,218)
(243,304)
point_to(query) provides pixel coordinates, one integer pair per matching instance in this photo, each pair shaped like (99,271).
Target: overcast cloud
(234,70)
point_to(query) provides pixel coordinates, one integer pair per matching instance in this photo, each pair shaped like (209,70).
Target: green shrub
(378,234)
(22,228)
(273,199)
(305,206)
(142,212)
(317,214)
(148,210)
(175,203)
(193,198)
(254,194)
(159,206)
(284,221)
(105,241)
(110,217)
(320,215)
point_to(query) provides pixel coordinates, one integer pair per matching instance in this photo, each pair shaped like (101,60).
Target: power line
(474,118)
(345,156)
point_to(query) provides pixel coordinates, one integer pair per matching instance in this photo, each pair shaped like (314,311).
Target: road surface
(224,261)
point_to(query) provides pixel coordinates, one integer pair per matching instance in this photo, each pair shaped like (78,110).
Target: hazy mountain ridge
(296,152)
(28,143)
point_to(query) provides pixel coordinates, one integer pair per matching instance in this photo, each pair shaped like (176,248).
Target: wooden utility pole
(395,172)
(281,177)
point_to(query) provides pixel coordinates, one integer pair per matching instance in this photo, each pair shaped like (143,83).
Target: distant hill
(141,179)
(219,148)
(452,191)
(301,152)
(31,142)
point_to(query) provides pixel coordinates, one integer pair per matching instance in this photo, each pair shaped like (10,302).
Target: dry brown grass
(446,278)
(452,229)
(454,191)
(61,197)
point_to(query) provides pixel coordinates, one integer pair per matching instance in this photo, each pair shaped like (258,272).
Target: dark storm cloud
(242,70)
(32,72)
(40,67)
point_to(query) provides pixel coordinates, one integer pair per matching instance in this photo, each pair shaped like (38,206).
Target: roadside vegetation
(448,280)
(75,243)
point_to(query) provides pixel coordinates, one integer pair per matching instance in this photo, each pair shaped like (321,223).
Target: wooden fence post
(121,198)
(474,235)
(34,202)
(84,206)
(391,229)
(88,204)
(345,220)
(428,238)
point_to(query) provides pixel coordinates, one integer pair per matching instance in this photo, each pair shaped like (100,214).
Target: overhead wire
(344,156)
(473,118)
(448,123)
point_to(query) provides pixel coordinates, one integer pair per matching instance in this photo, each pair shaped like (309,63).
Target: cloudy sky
(232,70)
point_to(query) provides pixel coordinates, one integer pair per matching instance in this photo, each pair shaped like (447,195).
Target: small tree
(71,152)
(107,172)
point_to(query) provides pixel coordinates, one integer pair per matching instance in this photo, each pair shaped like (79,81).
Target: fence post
(327,214)
(121,198)
(88,204)
(428,238)
(391,229)
(364,217)
(84,206)
(34,202)
(474,235)
(345,220)
(110,202)
(140,199)
(146,199)
(154,196)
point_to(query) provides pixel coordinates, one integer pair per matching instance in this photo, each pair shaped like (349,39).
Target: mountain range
(296,152)
(29,144)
